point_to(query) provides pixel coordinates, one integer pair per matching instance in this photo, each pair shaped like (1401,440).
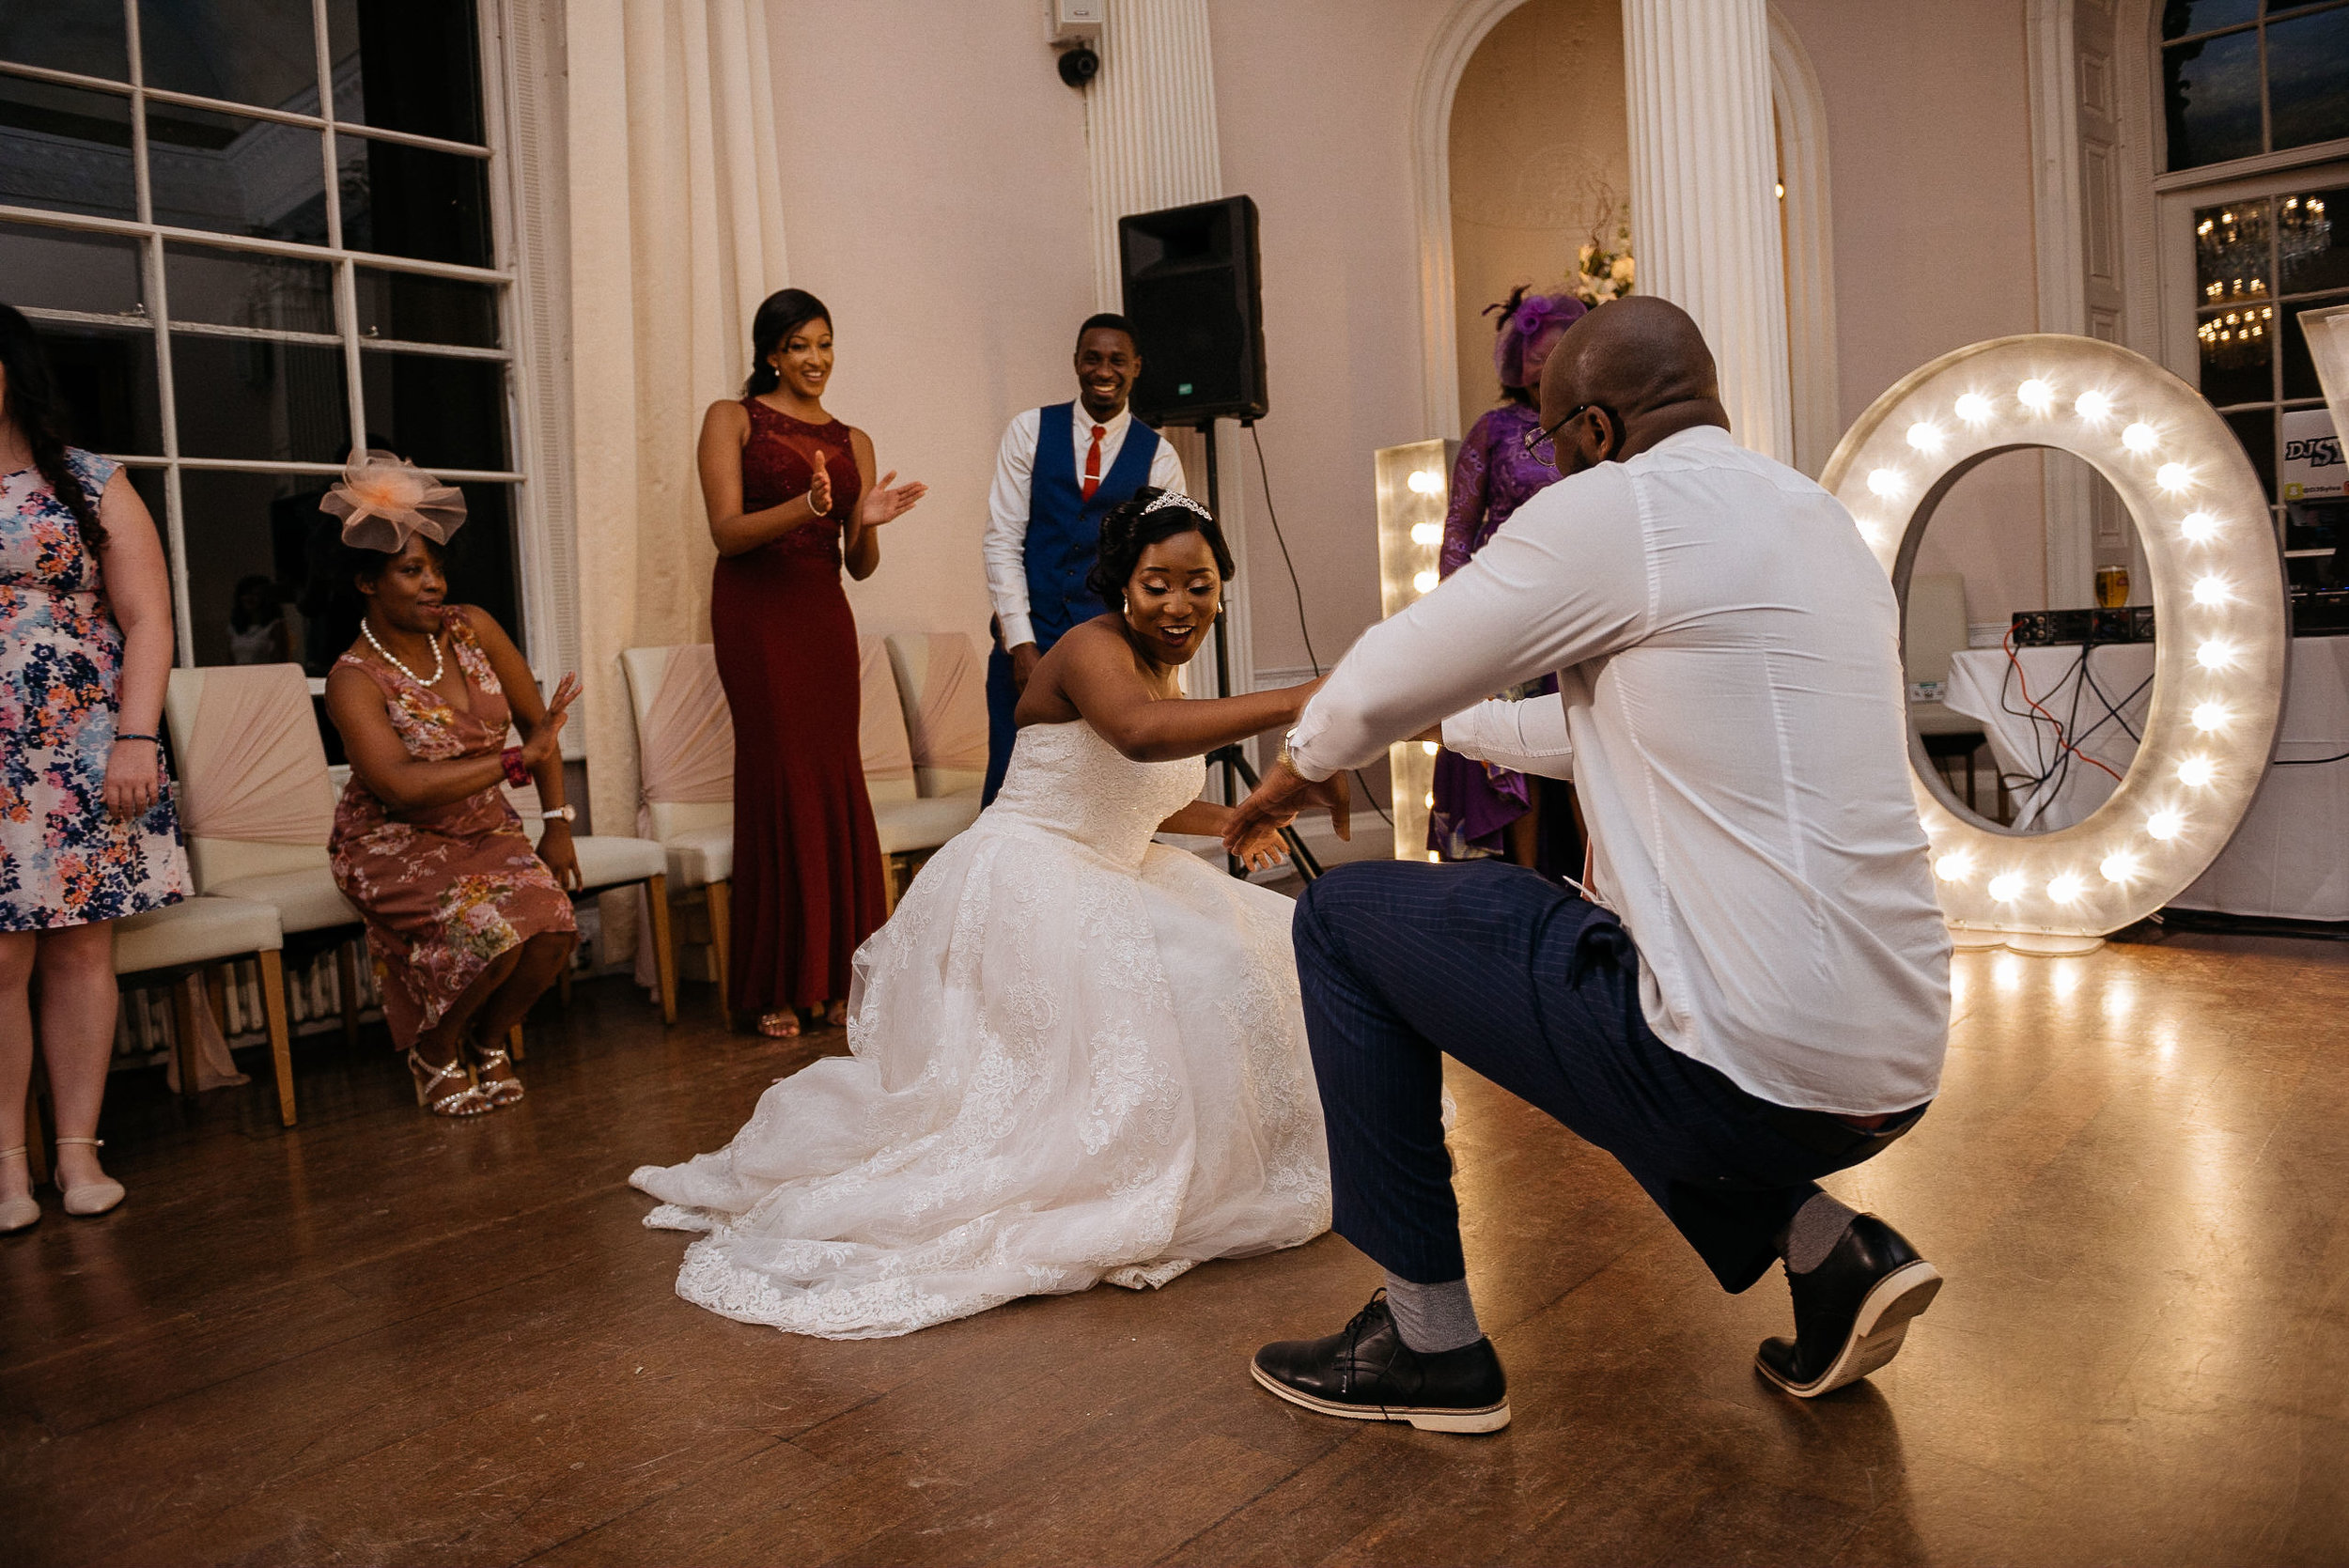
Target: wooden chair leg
(184,1040)
(346,988)
(36,1139)
(280,1037)
(891,865)
(514,1042)
(720,934)
(663,951)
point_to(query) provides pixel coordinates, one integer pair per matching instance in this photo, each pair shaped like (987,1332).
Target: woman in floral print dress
(467,922)
(87,833)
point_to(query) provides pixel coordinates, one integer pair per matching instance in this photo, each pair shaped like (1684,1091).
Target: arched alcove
(1538,153)
(1801,123)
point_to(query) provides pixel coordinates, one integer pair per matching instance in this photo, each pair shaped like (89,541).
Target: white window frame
(542,608)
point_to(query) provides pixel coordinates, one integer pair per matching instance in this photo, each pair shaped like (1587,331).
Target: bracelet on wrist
(120,736)
(516,771)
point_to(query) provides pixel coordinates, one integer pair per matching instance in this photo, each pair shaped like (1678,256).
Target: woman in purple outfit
(1482,810)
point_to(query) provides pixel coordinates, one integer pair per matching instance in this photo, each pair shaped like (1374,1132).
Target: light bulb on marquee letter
(2216,581)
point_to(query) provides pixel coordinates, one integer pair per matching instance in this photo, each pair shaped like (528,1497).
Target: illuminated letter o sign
(2218,611)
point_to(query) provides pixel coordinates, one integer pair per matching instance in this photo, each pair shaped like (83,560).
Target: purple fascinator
(1532,325)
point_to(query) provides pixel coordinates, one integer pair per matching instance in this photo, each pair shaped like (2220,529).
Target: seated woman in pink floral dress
(467,922)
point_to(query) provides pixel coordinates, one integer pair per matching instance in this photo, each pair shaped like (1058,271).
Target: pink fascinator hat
(384,500)
(1528,323)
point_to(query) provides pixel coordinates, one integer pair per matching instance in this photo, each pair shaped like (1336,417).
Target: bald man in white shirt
(1760,995)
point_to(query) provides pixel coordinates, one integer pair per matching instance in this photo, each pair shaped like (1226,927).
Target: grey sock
(1433,1319)
(1812,1234)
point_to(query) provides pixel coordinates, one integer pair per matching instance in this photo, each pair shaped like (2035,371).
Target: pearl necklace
(440,662)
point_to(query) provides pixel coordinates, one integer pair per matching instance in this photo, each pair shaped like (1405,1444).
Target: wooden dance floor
(385,1340)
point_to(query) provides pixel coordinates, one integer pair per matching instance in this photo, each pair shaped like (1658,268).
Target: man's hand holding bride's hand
(1277,801)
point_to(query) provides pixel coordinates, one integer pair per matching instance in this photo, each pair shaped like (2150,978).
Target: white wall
(934,171)
(1314,98)
(1928,128)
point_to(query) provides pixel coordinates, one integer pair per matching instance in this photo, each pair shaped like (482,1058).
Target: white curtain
(675,236)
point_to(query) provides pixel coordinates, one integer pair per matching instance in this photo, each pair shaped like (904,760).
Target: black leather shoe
(1367,1374)
(1851,1313)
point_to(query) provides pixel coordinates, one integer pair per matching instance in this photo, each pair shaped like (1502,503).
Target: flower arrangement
(1603,268)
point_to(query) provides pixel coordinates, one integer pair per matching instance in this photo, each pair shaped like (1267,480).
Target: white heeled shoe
(17,1214)
(88,1198)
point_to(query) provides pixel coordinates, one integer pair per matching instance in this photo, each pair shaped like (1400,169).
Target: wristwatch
(569,813)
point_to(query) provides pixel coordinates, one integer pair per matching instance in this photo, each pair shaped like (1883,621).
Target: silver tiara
(1177,498)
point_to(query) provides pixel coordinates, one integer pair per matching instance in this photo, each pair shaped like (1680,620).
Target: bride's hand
(1261,846)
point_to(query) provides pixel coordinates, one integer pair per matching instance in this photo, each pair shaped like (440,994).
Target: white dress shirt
(1005,545)
(1731,711)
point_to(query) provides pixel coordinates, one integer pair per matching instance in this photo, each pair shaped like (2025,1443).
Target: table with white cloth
(2288,859)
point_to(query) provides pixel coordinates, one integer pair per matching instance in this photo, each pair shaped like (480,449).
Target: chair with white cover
(908,824)
(608,862)
(199,935)
(685,769)
(257,805)
(941,686)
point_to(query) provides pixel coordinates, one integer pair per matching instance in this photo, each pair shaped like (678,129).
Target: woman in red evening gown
(791,498)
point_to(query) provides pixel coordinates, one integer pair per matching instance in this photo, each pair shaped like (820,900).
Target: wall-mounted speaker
(1195,293)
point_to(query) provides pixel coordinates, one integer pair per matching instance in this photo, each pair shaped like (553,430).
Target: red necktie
(1093,463)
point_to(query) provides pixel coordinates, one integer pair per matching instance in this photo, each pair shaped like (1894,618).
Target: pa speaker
(1193,291)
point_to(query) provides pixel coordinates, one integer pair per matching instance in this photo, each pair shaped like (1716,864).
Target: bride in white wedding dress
(1077,1055)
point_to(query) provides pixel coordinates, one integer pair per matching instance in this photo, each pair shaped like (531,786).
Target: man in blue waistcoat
(1060,469)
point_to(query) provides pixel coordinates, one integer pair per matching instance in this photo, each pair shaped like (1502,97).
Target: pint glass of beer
(2112,587)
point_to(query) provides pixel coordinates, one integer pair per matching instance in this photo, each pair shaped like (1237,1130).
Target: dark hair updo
(1132,528)
(780,315)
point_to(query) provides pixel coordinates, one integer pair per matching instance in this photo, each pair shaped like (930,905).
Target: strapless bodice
(1066,780)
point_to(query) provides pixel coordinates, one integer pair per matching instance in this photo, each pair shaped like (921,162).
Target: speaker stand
(1232,758)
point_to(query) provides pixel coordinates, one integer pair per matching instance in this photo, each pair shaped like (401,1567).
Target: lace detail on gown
(1075,1055)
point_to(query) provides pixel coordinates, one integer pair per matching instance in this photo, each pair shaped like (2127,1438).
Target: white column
(1150,143)
(1703,211)
(1149,122)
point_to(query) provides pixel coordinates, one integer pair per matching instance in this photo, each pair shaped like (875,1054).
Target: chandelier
(2232,247)
(2232,256)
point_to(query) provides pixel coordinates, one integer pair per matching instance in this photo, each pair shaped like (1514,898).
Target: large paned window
(2240,77)
(2259,262)
(255,234)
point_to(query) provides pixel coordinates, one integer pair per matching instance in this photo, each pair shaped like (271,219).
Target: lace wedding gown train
(1077,1055)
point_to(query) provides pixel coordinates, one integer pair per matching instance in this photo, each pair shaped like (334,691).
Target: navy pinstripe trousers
(1402,963)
